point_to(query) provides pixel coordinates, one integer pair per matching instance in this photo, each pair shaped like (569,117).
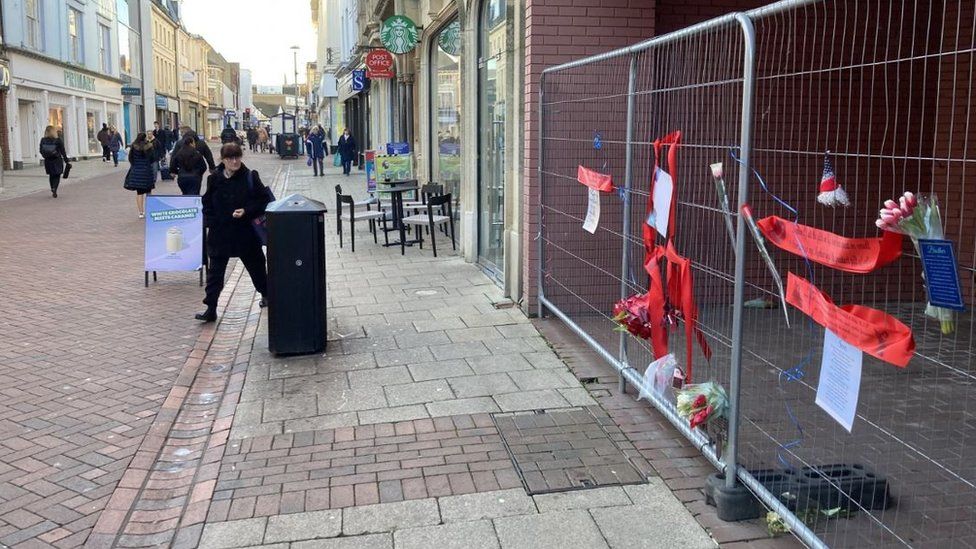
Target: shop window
(105,48)
(445,108)
(76,47)
(33,30)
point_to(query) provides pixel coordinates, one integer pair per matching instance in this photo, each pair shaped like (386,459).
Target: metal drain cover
(562,450)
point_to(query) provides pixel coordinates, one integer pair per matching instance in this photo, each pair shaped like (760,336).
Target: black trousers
(105,151)
(55,180)
(190,184)
(254,263)
(318,166)
(346,166)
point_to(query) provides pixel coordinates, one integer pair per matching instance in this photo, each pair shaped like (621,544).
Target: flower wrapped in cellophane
(632,316)
(702,403)
(917,216)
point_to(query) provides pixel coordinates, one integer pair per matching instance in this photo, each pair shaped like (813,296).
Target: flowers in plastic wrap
(918,217)
(632,316)
(702,403)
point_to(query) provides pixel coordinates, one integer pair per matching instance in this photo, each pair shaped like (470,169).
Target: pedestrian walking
(235,197)
(102,137)
(228,135)
(346,150)
(315,145)
(201,147)
(263,139)
(159,148)
(115,144)
(188,165)
(55,159)
(252,139)
(141,177)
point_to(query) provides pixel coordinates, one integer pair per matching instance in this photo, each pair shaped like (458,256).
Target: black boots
(210,315)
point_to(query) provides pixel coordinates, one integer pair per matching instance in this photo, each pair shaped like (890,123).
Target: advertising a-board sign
(379,64)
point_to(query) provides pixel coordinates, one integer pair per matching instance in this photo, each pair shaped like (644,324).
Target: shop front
(74,101)
(167,111)
(445,108)
(355,113)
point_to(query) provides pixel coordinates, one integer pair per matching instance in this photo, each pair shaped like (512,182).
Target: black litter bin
(289,145)
(296,276)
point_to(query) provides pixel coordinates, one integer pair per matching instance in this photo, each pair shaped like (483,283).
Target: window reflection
(446,108)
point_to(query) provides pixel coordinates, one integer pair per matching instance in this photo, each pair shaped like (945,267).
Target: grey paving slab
(459,350)
(530,400)
(440,369)
(327,421)
(313,384)
(518,345)
(440,324)
(494,318)
(611,496)
(654,529)
(474,334)
(372,343)
(577,397)
(486,505)
(476,405)
(462,535)
(531,380)
(301,526)
(336,400)
(371,541)
(341,363)
(425,339)
(387,517)
(290,407)
(562,529)
(291,369)
(518,330)
(234,533)
(416,393)
(498,363)
(257,390)
(389,415)
(391,375)
(256,429)
(455,311)
(482,385)
(403,356)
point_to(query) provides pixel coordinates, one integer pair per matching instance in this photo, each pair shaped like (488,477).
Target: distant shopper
(55,159)
(115,144)
(142,170)
(201,147)
(102,137)
(188,165)
(235,197)
(252,139)
(346,150)
(315,146)
(228,135)
(263,139)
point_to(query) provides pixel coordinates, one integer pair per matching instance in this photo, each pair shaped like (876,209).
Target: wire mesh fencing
(877,95)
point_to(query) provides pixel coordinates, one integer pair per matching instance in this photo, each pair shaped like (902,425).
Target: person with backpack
(188,165)
(115,144)
(235,197)
(201,147)
(55,159)
(142,171)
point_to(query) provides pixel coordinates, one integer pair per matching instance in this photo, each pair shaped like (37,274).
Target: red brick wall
(674,15)
(4,135)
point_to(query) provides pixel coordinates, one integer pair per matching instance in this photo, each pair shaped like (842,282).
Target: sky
(257,34)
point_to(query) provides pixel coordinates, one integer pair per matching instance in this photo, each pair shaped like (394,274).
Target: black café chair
(444,216)
(352,216)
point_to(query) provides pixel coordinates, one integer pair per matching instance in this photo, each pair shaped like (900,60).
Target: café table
(396,189)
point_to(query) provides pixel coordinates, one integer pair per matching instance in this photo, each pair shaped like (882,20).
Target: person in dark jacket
(142,174)
(228,135)
(52,151)
(314,144)
(346,150)
(114,144)
(201,146)
(235,197)
(103,135)
(188,165)
(252,139)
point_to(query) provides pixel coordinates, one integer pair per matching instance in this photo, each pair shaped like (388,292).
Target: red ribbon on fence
(680,283)
(852,255)
(594,179)
(875,332)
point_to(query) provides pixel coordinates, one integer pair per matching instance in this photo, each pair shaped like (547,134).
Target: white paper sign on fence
(663,189)
(840,379)
(592,212)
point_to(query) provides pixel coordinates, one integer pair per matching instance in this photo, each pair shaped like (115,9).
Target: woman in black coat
(235,197)
(188,165)
(347,150)
(52,151)
(142,175)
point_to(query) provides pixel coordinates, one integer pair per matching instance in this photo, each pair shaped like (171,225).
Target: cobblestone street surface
(126,423)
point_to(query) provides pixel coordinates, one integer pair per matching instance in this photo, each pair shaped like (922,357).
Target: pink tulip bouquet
(917,217)
(702,403)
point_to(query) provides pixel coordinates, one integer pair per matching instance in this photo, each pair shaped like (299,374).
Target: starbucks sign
(450,39)
(399,34)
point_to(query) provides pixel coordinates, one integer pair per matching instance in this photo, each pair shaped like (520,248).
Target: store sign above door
(399,34)
(79,81)
(379,64)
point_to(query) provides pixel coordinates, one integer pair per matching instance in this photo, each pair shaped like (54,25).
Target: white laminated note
(592,212)
(840,379)
(663,188)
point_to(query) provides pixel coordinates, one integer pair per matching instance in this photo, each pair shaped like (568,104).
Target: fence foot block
(733,504)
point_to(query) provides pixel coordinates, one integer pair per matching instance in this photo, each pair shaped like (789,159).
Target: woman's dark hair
(140,138)
(187,154)
(231,150)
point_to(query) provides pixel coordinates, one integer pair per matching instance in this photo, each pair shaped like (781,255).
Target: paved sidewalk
(33,179)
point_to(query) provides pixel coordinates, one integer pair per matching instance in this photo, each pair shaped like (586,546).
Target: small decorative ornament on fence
(399,34)
(831,193)
(918,217)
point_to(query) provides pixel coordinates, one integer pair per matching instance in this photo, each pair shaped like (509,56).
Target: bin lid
(295,203)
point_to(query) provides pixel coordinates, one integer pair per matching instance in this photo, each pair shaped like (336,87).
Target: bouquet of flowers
(702,403)
(632,316)
(917,217)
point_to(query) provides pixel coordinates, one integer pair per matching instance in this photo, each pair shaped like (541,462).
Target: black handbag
(67,170)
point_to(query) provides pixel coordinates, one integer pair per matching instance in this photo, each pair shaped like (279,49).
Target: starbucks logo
(399,34)
(450,39)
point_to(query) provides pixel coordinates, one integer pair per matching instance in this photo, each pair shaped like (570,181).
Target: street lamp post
(295,49)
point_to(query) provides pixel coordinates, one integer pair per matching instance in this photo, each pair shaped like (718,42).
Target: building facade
(133,60)
(192,66)
(165,23)
(64,73)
